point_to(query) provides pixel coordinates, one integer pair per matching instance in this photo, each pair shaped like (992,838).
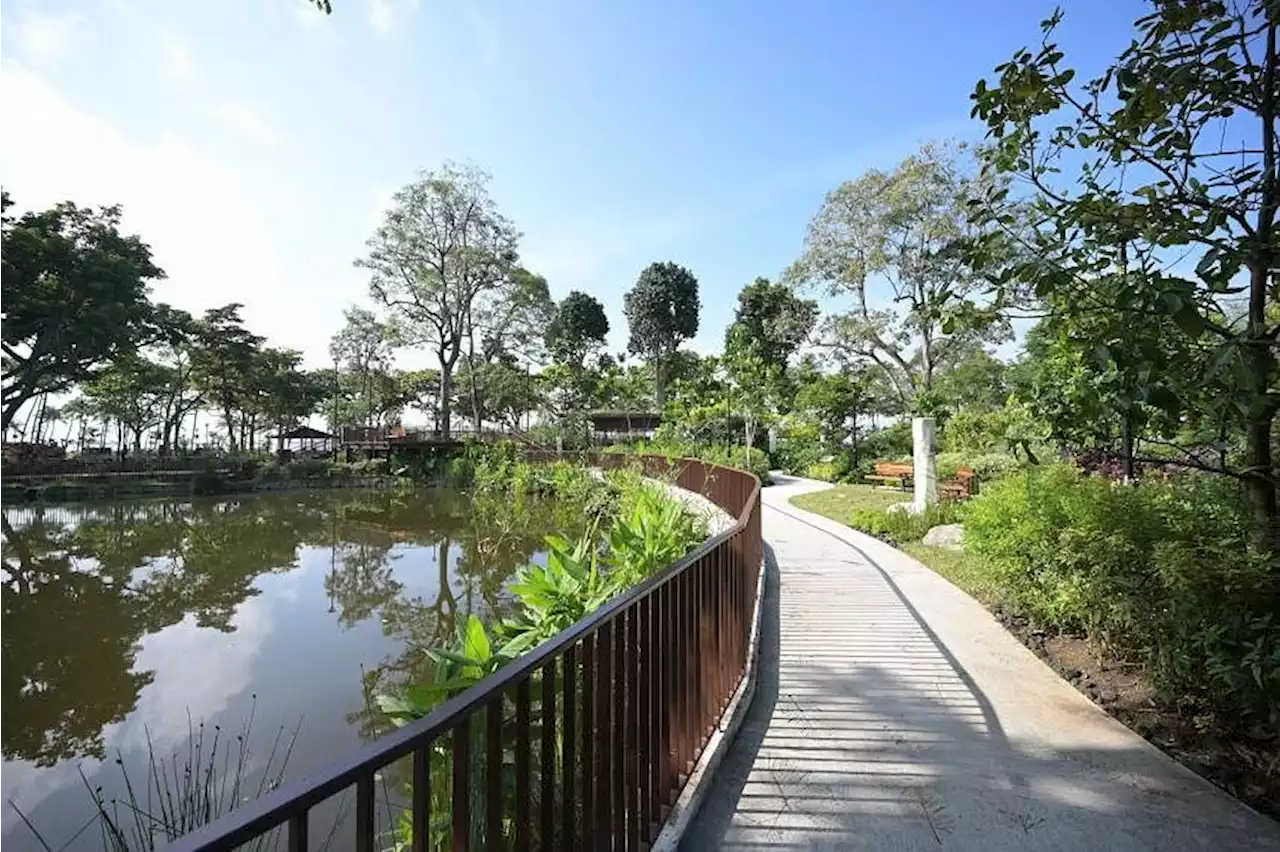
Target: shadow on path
(867,733)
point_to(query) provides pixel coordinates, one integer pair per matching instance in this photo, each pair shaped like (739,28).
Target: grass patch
(838,502)
(964,570)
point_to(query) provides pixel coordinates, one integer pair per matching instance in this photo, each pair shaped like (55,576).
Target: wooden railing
(584,742)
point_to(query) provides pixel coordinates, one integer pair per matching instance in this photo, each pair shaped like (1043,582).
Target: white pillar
(924,463)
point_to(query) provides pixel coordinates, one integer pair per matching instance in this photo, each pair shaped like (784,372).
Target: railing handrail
(266,812)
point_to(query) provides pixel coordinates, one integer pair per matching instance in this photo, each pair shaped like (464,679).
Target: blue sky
(254,143)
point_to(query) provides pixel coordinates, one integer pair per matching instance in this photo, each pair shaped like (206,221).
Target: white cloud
(205,230)
(179,66)
(247,122)
(46,37)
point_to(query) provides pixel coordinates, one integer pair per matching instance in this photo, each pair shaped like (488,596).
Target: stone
(949,536)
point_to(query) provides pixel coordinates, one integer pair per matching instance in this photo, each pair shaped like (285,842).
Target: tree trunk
(853,438)
(659,383)
(1260,467)
(1126,444)
(446,390)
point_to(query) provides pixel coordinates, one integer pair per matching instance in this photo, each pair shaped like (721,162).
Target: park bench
(960,487)
(892,473)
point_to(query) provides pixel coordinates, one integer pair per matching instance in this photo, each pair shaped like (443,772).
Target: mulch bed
(1244,762)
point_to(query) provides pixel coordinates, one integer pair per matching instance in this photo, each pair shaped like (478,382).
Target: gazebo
(609,427)
(304,439)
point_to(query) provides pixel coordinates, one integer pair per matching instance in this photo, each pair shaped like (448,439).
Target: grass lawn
(838,501)
(964,570)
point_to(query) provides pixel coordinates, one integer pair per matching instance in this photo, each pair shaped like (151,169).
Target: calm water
(131,621)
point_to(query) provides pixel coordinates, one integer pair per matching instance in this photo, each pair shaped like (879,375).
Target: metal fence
(584,742)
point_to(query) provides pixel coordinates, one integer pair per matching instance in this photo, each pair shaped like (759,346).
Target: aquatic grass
(171,795)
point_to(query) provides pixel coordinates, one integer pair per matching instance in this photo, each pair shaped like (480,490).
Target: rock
(1072,674)
(949,536)
(1106,696)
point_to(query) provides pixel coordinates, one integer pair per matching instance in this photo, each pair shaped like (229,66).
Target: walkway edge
(702,778)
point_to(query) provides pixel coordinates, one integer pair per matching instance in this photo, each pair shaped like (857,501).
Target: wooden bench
(960,487)
(892,472)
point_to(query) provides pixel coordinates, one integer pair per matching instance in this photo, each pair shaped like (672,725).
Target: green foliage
(579,327)
(656,532)
(472,658)
(443,255)
(770,322)
(662,312)
(826,471)
(75,298)
(987,466)
(754,460)
(901,526)
(901,227)
(1165,572)
(1170,148)
(891,442)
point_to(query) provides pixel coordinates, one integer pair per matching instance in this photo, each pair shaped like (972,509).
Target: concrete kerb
(702,778)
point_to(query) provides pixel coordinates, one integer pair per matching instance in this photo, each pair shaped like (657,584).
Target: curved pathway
(892,712)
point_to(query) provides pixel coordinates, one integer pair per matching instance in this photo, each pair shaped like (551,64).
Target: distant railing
(584,742)
(382,437)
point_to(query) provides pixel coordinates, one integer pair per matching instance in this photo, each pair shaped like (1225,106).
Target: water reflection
(119,617)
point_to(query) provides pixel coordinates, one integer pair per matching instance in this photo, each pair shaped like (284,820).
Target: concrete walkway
(892,712)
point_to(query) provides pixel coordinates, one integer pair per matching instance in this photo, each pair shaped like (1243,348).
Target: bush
(799,447)
(988,466)
(1165,572)
(308,469)
(824,470)
(756,461)
(901,526)
(893,441)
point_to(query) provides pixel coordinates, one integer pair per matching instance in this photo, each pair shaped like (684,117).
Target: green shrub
(756,460)
(1164,572)
(799,447)
(824,470)
(902,526)
(207,480)
(988,466)
(308,469)
(892,441)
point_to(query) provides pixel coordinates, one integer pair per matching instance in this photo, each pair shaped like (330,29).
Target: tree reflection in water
(83,585)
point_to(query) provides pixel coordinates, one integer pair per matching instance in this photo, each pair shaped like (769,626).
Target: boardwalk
(892,713)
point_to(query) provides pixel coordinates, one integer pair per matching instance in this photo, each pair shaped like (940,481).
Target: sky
(255,144)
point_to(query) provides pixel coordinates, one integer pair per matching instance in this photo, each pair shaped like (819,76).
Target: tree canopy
(662,312)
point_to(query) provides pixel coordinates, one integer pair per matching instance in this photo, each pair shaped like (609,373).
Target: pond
(128,624)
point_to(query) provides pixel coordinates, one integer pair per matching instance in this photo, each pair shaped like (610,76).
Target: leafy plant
(657,532)
(555,597)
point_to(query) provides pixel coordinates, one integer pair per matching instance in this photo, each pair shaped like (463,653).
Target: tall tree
(662,312)
(442,246)
(576,333)
(771,322)
(226,358)
(362,347)
(74,295)
(904,228)
(577,329)
(1161,173)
